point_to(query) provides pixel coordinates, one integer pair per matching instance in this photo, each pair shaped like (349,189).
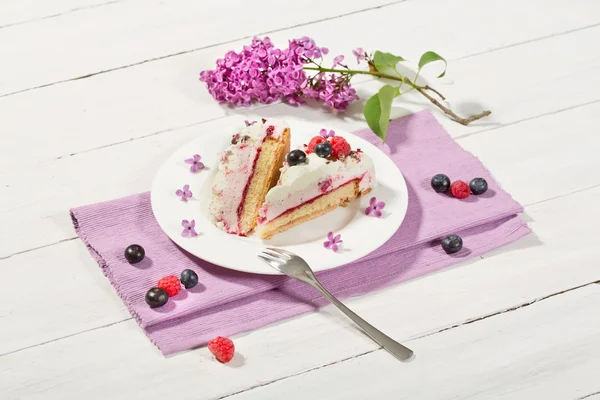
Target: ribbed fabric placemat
(228,302)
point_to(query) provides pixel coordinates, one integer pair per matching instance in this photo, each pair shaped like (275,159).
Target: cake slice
(248,168)
(312,184)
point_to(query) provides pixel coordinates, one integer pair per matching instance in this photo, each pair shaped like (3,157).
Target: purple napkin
(228,302)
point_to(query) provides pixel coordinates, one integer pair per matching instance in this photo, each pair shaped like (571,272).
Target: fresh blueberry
(157,297)
(478,186)
(452,244)
(134,253)
(189,278)
(323,149)
(440,183)
(295,157)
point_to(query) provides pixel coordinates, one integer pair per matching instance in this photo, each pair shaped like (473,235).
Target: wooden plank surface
(548,350)
(104,136)
(135,31)
(17,12)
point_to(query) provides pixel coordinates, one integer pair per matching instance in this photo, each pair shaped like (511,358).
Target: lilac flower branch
(263,73)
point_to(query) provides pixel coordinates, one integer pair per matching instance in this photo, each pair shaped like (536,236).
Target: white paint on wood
(548,350)
(73,345)
(15,12)
(133,31)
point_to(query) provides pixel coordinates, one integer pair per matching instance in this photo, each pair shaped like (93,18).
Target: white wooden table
(94,94)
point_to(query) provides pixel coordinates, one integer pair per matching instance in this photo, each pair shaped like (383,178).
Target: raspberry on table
(170,284)
(313,142)
(341,148)
(460,189)
(222,348)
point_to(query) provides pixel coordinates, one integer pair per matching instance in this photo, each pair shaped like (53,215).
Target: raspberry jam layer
(235,171)
(307,202)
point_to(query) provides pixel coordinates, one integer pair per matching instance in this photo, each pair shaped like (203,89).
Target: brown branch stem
(420,89)
(427,87)
(446,110)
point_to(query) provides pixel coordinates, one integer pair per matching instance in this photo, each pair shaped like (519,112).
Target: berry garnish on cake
(248,168)
(328,174)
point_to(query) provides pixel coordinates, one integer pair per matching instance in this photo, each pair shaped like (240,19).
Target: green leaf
(386,60)
(430,57)
(377,110)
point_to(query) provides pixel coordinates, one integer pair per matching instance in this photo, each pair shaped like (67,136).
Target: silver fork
(292,265)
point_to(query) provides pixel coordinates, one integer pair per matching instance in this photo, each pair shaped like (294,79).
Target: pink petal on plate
(185,233)
(193,223)
(185,223)
(330,236)
(179,192)
(186,188)
(327,244)
(368,210)
(334,247)
(380,205)
(372,201)
(378,214)
(336,239)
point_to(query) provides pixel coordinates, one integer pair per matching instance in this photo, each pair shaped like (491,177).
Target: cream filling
(317,176)
(236,165)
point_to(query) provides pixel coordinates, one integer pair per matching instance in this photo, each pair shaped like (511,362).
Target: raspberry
(170,284)
(460,190)
(313,142)
(222,348)
(341,148)
(270,130)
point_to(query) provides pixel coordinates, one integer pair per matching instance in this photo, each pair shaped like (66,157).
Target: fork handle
(396,349)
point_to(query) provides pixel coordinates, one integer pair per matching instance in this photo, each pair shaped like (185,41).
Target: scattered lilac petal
(184,193)
(323,132)
(188,228)
(196,164)
(375,207)
(332,242)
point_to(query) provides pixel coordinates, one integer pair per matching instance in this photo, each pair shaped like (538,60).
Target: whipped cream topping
(317,176)
(236,167)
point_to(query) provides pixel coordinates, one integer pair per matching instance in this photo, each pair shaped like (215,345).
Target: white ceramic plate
(361,234)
